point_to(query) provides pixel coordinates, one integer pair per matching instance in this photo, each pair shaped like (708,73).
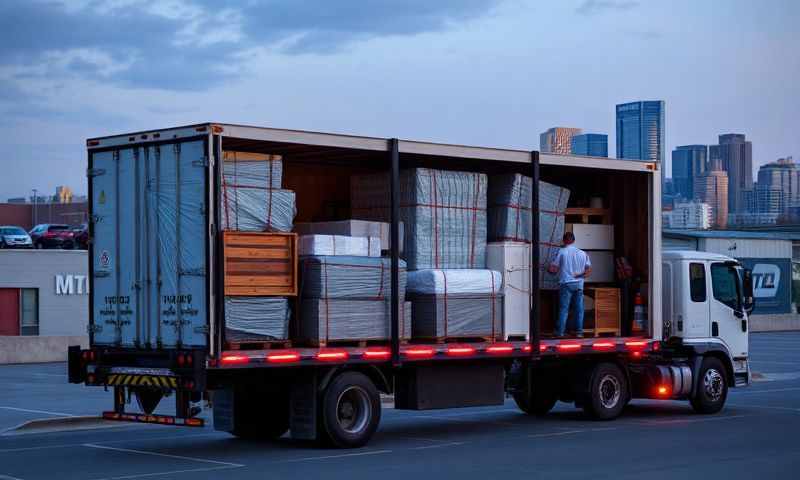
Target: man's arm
(587,270)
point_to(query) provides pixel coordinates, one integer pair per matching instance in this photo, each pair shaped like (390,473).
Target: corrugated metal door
(149,251)
(9,311)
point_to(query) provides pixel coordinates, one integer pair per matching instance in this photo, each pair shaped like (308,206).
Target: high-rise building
(689,216)
(782,175)
(736,157)
(558,140)
(711,187)
(640,130)
(590,144)
(688,161)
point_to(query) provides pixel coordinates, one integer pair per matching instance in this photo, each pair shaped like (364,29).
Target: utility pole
(35,213)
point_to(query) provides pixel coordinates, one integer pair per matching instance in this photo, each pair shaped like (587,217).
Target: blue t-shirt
(571,261)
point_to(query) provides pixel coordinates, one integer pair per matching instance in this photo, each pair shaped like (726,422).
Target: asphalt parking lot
(754,436)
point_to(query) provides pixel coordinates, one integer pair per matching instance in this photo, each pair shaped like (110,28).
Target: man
(572,265)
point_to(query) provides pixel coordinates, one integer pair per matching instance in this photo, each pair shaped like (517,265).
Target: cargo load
(324,320)
(340,245)
(443,212)
(513,261)
(352,228)
(256,319)
(363,278)
(456,303)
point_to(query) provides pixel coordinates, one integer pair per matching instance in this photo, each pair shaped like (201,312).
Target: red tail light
(420,352)
(332,355)
(234,360)
(181,360)
(603,346)
(284,356)
(526,348)
(662,391)
(460,351)
(500,348)
(377,353)
(568,347)
(636,345)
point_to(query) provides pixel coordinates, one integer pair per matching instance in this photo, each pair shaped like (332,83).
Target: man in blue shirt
(572,265)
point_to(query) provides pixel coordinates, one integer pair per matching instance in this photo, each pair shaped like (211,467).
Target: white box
(591,236)
(603,269)
(339,245)
(351,228)
(513,260)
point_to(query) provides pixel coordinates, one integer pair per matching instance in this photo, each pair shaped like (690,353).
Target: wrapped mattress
(341,277)
(443,212)
(456,303)
(256,319)
(339,245)
(351,228)
(326,320)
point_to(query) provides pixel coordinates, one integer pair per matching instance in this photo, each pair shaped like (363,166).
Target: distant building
(688,216)
(558,140)
(736,156)
(63,195)
(688,161)
(640,131)
(711,187)
(590,144)
(782,175)
(17,200)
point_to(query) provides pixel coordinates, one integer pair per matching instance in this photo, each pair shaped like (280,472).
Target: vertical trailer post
(394,153)
(533,319)
(219,271)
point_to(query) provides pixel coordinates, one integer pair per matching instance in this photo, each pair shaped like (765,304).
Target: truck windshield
(724,282)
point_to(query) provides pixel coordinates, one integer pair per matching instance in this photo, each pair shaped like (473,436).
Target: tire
(544,394)
(712,387)
(350,411)
(608,392)
(260,415)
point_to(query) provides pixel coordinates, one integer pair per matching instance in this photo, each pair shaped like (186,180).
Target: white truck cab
(707,301)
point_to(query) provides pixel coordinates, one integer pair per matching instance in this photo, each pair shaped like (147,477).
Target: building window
(697,282)
(29,311)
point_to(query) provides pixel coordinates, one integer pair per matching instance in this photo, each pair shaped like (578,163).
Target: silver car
(14,237)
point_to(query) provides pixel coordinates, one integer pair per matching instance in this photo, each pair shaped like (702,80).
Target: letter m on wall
(64,285)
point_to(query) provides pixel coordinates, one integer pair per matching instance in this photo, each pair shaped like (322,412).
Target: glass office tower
(688,162)
(640,130)
(590,144)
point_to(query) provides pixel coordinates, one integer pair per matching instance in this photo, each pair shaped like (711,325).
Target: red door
(9,311)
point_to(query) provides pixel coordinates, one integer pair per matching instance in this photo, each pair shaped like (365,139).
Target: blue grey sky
(484,72)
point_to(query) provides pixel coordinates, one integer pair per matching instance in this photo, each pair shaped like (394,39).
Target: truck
(157,315)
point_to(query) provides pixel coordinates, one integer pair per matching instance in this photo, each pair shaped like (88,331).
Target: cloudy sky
(484,72)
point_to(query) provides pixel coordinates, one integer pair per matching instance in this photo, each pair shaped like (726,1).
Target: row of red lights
(418,352)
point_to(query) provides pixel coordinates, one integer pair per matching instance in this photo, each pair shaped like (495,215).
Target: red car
(51,235)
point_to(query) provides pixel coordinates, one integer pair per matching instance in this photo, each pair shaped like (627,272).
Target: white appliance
(513,260)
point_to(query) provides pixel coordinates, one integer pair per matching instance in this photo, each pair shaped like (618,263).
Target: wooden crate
(607,306)
(260,264)
(588,215)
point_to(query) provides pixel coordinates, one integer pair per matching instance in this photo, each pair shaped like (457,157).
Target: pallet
(442,340)
(357,343)
(265,345)
(588,215)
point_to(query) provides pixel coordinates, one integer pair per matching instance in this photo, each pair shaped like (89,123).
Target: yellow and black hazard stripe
(159,381)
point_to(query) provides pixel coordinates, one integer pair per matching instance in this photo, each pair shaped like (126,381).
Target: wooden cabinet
(260,264)
(606,313)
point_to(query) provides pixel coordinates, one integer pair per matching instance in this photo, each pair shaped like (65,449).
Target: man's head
(569,238)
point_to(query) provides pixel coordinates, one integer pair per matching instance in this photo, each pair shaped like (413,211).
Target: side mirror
(749,301)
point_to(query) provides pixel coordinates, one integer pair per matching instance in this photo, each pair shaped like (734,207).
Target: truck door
(149,245)
(696,318)
(728,320)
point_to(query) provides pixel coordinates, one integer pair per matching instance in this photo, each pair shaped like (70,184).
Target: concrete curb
(63,424)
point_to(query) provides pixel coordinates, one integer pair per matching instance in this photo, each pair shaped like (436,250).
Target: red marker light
(460,351)
(663,391)
(568,347)
(420,352)
(500,348)
(287,356)
(332,355)
(377,353)
(603,346)
(636,344)
(637,354)
(526,348)
(234,360)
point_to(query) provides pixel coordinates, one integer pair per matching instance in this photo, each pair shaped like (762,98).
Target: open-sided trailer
(157,312)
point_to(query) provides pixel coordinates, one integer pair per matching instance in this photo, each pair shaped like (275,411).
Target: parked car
(81,235)
(52,235)
(14,237)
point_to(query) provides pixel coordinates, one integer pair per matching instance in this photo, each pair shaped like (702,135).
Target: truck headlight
(740,365)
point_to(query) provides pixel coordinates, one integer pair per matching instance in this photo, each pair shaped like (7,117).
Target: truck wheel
(608,392)
(260,416)
(712,387)
(350,411)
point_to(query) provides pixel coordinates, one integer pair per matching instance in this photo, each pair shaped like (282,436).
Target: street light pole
(35,213)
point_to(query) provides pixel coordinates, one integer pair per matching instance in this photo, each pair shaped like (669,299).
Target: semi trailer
(157,310)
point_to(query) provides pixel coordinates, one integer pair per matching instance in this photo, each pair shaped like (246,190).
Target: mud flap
(303,410)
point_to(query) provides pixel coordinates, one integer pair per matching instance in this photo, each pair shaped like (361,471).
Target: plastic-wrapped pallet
(456,303)
(256,319)
(339,245)
(364,278)
(326,320)
(443,212)
(251,199)
(351,228)
(509,216)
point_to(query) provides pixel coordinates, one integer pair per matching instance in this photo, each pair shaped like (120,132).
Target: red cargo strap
(474,220)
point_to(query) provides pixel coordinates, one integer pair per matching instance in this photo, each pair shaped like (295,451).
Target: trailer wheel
(712,387)
(608,392)
(350,411)
(260,415)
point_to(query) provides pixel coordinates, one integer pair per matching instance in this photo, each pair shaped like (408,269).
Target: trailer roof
(373,144)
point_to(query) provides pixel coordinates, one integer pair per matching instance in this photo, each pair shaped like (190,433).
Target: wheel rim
(609,391)
(712,384)
(353,411)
